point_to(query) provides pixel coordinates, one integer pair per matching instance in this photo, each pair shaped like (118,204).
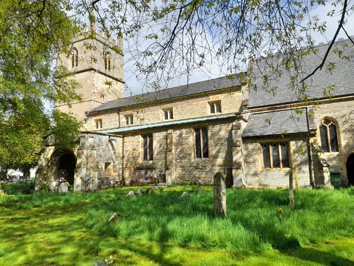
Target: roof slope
(277,123)
(170,93)
(342,77)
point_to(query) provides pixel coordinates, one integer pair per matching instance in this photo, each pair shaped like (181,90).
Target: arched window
(74,58)
(107,61)
(328,135)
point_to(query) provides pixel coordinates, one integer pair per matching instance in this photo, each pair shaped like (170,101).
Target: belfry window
(275,155)
(201,143)
(74,58)
(98,123)
(328,135)
(107,61)
(129,120)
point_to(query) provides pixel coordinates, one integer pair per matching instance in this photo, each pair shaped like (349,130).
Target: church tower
(98,65)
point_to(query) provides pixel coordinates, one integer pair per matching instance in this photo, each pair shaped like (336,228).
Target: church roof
(277,123)
(175,92)
(342,77)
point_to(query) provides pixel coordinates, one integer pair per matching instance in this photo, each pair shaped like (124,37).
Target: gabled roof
(170,93)
(342,77)
(277,123)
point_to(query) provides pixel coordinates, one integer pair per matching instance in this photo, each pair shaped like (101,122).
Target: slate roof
(170,93)
(278,123)
(342,77)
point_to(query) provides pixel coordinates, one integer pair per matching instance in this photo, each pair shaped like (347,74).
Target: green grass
(56,229)
(254,221)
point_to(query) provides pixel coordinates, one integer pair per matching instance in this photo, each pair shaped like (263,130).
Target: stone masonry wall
(259,177)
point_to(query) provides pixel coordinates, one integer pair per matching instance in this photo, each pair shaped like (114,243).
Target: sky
(135,87)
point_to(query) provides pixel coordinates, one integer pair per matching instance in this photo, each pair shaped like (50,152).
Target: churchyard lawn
(165,229)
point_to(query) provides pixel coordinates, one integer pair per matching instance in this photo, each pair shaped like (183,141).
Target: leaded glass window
(148,147)
(201,143)
(275,155)
(328,135)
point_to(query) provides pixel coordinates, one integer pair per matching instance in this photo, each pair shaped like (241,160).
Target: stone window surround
(215,107)
(287,142)
(98,124)
(129,119)
(336,124)
(168,112)
(193,142)
(147,143)
(74,57)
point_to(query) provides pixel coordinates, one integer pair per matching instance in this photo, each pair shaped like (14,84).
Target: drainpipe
(309,149)
(123,158)
(118,117)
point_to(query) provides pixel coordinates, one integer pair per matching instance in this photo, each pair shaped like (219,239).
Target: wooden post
(291,190)
(219,194)
(296,181)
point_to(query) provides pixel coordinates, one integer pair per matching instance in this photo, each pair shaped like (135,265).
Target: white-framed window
(276,155)
(201,142)
(215,107)
(329,136)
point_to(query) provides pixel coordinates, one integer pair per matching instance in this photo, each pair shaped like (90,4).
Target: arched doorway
(350,169)
(68,163)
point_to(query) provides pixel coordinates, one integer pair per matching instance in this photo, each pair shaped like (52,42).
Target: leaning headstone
(149,191)
(184,194)
(199,190)
(219,194)
(140,191)
(114,218)
(131,193)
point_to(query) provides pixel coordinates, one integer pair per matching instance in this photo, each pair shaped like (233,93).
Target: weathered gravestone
(219,194)
(149,191)
(131,193)
(199,190)
(63,187)
(184,194)
(114,218)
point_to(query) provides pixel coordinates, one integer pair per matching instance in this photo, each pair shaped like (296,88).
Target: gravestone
(63,187)
(219,194)
(199,189)
(114,218)
(131,193)
(184,194)
(149,191)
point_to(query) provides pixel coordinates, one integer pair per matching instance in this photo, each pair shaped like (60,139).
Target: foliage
(19,188)
(52,226)
(31,33)
(257,220)
(222,35)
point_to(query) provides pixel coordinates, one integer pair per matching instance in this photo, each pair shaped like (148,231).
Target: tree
(217,34)
(31,32)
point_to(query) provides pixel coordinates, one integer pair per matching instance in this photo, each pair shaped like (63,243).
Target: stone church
(186,134)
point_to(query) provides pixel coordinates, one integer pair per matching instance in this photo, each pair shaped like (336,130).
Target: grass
(57,229)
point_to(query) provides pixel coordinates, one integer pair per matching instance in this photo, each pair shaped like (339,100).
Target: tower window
(107,61)
(74,58)
(328,135)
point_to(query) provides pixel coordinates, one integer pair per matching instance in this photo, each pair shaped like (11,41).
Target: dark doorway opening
(350,169)
(229,178)
(67,164)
